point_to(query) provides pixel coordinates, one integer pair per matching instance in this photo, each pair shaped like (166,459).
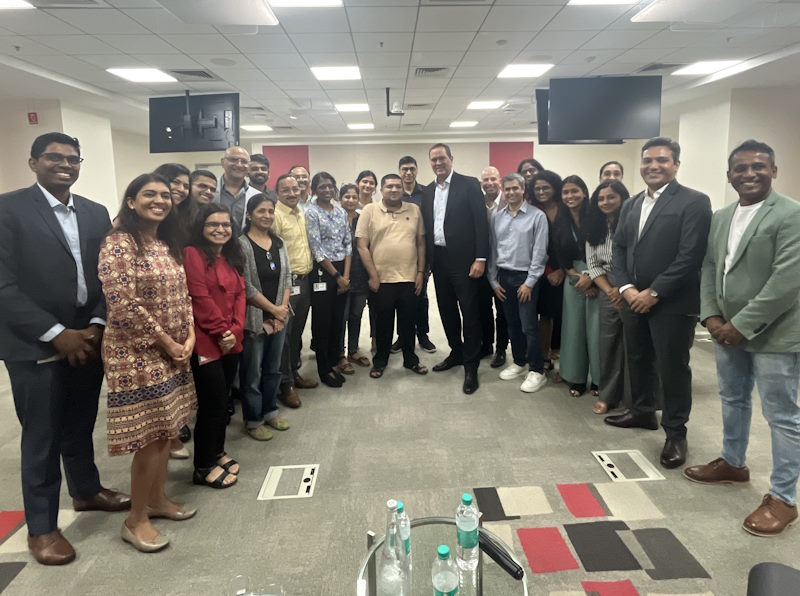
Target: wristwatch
(653,293)
(338,275)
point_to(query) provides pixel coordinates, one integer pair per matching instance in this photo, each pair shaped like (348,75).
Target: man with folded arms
(749,304)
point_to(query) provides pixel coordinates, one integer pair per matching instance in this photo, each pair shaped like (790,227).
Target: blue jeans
(522,320)
(776,375)
(260,377)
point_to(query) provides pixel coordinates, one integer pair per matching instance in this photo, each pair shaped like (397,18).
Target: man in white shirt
(233,190)
(658,249)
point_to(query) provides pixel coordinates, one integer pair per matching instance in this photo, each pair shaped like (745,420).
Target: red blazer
(218,301)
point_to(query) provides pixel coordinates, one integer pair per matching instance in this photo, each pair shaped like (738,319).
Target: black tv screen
(194,122)
(543,118)
(601,108)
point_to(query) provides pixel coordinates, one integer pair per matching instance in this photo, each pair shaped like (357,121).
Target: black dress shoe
(630,420)
(448,363)
(674,452)
(499,359)
(396,347)
(426,344)
(470,381)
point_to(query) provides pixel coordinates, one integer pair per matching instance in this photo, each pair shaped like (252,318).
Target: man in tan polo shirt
(391,243)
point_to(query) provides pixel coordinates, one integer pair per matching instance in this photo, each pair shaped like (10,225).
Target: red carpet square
(10,521)
(580,500)
(623,588)
(546,550)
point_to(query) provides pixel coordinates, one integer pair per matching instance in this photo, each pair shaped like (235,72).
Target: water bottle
(444,573)
(467,524)
(404,532)
(390,572)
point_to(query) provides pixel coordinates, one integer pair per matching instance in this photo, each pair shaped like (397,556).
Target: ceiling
(389,40)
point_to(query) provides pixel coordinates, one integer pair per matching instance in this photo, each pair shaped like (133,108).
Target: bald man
(494,200)
(233,191)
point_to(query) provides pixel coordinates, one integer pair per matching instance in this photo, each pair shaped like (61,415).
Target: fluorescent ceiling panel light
(142,75)
(352,107)
(485,105)
(336,73)
(361,126)
(304,3)
(221,13)
(706,67)
(256,127)
(601,2)
(463,124)
(521,71)
(14,4)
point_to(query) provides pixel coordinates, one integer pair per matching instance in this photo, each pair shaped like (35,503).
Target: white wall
(585,161)
(18,137)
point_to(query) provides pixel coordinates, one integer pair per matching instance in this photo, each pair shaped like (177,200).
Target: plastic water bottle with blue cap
(391,579)
(444,573)
(404,532)
(467,517)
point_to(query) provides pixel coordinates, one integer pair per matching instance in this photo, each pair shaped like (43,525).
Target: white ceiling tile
(99,21)
(341,85)
(436,58)
(201,44)
(495,59)
(375,19)
(239,75)
(616,68)
(442,41)
(223,61)
(642,55)
(331,59)
(501,40)
(624,22)
(319,20)
(568,70)
(347,96)
(689,55)
(383,42)
(114,61)
(374,59)
(682,39)
(559,40)
(278,61)
(519,18)
(387,72)
(160,20)
(423,83)
(139,44)
(471,72)
(262,43)
(22,46)
(572,18)
(258,88)
(611,39)
(451,18)
(394,84)
(168,61)
(291,74)
(288,85)
(548,56)
(212,87)
(75,44)
(595,57)
(469,83)
(35,22)
(322,42)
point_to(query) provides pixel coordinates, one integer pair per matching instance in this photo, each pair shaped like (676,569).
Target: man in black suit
(658,250)
(457,234)
(51,326)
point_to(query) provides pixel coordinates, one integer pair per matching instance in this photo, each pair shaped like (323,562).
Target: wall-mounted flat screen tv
(194,122)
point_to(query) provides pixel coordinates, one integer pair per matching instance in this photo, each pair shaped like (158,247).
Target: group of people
(201,288)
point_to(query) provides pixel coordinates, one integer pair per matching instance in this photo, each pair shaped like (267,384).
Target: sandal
(376,373)
(357,358)
(418,368)
(594,390)
(278,423)
(600,407)
(345,367)
(576,390)
(228,464)
(219,482)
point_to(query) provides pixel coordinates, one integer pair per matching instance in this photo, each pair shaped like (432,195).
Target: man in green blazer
(749,303)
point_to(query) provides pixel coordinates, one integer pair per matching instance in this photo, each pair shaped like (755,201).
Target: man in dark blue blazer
(457,236)
(51,326)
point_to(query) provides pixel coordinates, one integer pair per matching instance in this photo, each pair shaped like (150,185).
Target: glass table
(489,579)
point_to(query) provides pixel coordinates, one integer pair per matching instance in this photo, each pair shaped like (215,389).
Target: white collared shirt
(647,206)
(440,196)
(742,217)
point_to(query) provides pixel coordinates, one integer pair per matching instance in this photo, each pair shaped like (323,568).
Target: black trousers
(489,323)
(212,381)
(389,298)
(57,407)
(456,289)
(327,318)
(421,324)
(657,347)
(293,344)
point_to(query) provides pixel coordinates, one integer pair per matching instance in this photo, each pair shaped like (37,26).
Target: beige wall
(585,161)
(18,136)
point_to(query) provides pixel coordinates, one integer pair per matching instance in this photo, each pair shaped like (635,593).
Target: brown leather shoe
(105,500)
(772,518)
(717,472)
(51,549)
(289,397)
(302,383)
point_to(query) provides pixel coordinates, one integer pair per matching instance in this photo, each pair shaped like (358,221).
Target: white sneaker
(512,371)
(533,382)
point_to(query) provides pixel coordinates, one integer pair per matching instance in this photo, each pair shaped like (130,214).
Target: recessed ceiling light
(463,124)
(485,105)
(520,71)
(304,3)
(361,126)
(14,4)
(601,2)
(142,75)
(352,107)
(336,73)
(256,127)
(706,67)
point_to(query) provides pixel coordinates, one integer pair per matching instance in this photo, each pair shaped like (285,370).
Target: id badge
(295,291)
(320,286)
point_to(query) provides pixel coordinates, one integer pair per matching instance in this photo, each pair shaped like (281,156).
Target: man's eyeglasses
(241,160)
(55,158)
(213,225)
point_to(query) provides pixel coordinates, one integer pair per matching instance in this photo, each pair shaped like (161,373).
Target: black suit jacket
(466,227)
(38,277)
(668,254)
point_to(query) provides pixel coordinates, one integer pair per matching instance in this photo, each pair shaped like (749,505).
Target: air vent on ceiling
(419,106)
(410,125)
(431,72)
(658,66)
(193,75)
(279,127)
(70,4)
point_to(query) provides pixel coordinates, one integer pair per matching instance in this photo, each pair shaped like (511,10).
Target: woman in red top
(214,264)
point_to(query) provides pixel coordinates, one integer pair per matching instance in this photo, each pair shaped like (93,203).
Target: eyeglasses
(55,158)
(241,160)
(213,225)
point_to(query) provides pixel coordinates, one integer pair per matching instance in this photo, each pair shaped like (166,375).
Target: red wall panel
(283,157)
(506,156)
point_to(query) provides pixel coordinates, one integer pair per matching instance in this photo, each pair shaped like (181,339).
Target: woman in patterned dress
(147,344)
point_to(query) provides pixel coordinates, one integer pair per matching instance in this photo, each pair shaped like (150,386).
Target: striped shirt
(598,258)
